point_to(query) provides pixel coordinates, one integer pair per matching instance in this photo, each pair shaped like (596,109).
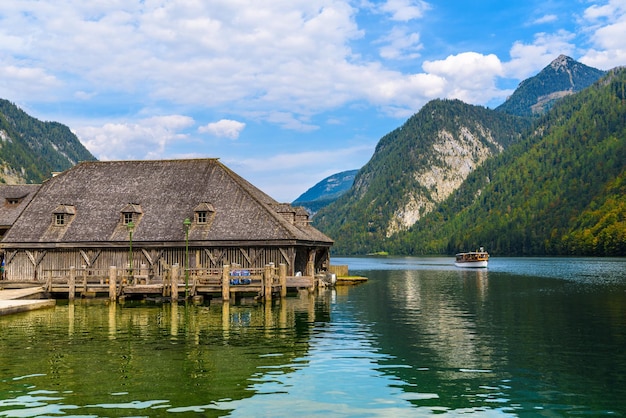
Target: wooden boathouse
(152,227)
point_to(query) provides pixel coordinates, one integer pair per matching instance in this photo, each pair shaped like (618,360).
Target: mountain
(413,169)
(535,95)
(560,191)
(326,191)
(31,150)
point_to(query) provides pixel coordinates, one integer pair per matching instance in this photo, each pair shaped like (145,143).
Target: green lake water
(525,337)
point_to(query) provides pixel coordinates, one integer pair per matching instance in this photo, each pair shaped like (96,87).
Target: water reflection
(493,341)
(89,357)
(416,341)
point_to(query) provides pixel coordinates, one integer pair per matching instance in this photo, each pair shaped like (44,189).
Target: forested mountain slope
(30,150)
(560,191)
(413,169)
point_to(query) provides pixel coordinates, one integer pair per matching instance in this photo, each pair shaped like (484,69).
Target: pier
(228,283)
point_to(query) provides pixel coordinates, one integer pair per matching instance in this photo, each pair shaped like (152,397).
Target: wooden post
(226,283)
(49,281)
(267,282)
(84,267)
(174,281)
(310,264)
(72,284)
(282,274)
(143,272)
(113,283)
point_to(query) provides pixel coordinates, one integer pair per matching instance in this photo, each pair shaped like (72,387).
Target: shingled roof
(95,195)
(13,200)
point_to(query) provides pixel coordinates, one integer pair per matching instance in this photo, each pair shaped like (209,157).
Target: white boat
(472,259)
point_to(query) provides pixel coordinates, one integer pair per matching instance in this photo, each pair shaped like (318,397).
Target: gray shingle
(167,192)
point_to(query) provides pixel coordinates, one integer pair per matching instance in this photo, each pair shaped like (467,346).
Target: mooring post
(267,282)
(49,281)
(113,283)
(84,267)
(174,281)
(226,283)
(72,284)
(282,274)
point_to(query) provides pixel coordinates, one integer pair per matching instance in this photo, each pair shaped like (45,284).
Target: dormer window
(204,213)
(13,201)
(63,214)
(131,214)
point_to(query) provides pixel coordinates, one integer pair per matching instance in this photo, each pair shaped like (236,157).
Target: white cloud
(282,63)
(527,59)
(27,83)
(545,19)
(401,44)
(405,10)
(468,76)
(143,139)
(224,128)
(607,27)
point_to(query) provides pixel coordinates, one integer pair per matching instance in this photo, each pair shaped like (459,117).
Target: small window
(204,214)
(128,218)
(62,215)
(13,201)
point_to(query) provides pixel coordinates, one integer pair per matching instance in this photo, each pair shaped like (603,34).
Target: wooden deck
(226,283)
(195,287)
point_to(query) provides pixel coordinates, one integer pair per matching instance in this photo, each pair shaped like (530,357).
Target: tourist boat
(474,259)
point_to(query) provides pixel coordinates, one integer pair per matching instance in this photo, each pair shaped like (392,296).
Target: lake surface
(525,337)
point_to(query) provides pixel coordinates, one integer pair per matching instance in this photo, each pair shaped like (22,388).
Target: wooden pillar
(174,281)
(72,284)
(267,282)
(113,283)
(143,272)
(310,264)
(49,281)
(226,283)
(282,274)
(84,267)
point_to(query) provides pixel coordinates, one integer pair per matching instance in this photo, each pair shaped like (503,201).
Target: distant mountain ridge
(560,191)
(426,173)
(31,150)
(326,191)
(535,95)
(414,168)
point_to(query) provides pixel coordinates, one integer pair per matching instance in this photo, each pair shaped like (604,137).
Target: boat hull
(471,264)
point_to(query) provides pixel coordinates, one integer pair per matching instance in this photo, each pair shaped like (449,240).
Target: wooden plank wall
(31,264)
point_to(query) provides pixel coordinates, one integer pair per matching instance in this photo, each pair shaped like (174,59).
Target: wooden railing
(228,279)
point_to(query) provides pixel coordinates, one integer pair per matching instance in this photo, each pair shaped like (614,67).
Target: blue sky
(284,92)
